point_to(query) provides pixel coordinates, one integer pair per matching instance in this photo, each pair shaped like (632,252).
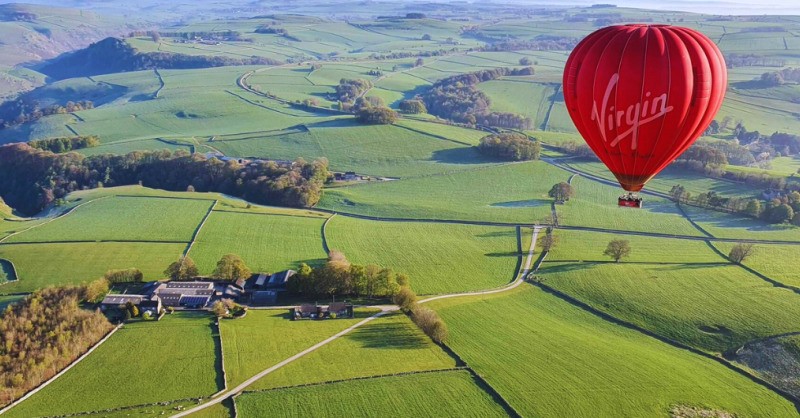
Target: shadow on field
(388,335)
(460,155)
(501,233)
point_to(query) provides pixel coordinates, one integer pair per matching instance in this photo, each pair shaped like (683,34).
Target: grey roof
(279,279)
(122,299)
(262,278)
(190,285)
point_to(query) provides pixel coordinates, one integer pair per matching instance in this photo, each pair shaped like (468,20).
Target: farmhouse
(332,311)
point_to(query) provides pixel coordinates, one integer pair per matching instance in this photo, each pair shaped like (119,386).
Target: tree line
(510,146)
(340,277)
(19,111)
(35,179)
(59,145)
(780,77)
(752,60)
(783,208)
(43,333)
(458,99)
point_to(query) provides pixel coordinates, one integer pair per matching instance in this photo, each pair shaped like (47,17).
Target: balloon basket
(630,200)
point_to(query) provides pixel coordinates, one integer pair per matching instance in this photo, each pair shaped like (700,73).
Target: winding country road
(384,310)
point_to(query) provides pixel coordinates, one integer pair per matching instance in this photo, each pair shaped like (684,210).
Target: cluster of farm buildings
(260,290)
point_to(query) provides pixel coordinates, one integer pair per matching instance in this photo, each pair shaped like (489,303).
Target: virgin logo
(609,119)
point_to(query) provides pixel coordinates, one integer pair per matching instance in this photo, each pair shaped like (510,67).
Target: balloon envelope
(640,95)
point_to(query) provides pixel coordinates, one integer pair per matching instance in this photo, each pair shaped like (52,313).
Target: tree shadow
(461,155)
(499,233)
(754,84)
(530,203)
(388,335)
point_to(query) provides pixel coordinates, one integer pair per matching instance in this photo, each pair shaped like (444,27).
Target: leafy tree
(617,249)
(183,269)
(219,309)
(403,280)
(132,310)
(96,290)
(561,192)
(131,275)
(426,37)
(231,267)
(430,323)
(413,106)
(779,214)
(510,146)
(753,208)
(525,61)
(377,116)
(740,252)
(419,62)
(406,299)
(679,193)
(548,241)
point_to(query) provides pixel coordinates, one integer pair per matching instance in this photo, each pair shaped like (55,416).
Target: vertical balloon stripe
(640,95)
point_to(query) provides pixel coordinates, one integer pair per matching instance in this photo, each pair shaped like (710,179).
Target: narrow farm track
(384,310)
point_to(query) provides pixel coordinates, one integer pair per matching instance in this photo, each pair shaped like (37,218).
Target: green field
(124,219)
(380,150)
(501,193)
(723,225)
(715,307)
(175,358)
(267,243)
(439,258)
(774,261)
(264,338)
(549,358)
(451,394)
(46,264)
(595,205)
(520,95)
(387,345)
(589,246)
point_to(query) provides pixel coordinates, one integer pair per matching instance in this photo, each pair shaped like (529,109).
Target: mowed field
(451,394)
(387,345)
(515,193)
(778,262)
(175,358)
(47,264)
(264,338)
(267,243)
(120,218)
(549,358)
(712,306)
(439,258)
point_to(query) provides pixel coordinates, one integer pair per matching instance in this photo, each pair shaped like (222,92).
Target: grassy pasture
(267,243)
(439,258)
(45,264)
(589,246)
(452,394)
(715,307)
(381,150)
(777,262)
(124,147)
(519,95)
(595,205)
(387,345)
(175,359)
(263,338)
(573,363)
(145,219)
(725,225)
(500,193)
(665,180)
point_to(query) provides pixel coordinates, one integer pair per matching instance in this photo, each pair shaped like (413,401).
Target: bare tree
(740,252)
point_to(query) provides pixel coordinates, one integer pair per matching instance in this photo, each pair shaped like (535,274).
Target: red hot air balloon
(640,95)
